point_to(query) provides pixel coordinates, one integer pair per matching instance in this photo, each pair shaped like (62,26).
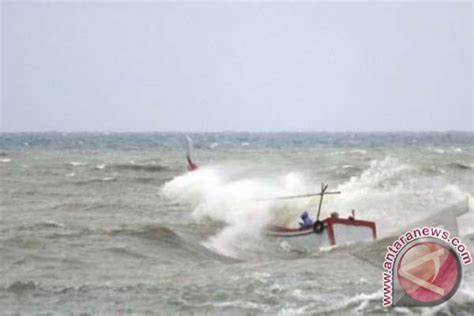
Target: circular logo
(429,272)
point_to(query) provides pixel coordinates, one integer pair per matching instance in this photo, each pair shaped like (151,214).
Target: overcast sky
(308,66)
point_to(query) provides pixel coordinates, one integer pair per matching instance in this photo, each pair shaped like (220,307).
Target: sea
(114,224)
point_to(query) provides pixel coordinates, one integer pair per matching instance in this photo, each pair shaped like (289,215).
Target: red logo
(429,272)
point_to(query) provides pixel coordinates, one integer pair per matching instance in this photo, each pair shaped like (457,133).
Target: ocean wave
(176,245)
(151,231)
(346,170)
(392,193)
(459,166)
(158,233)
(47,224)
(96,180)
(360,303)
(24,242)
(122,251)
(77,163)
(444,168)
(359,151)
(68,234)
(215,198)
(20,287)
(144,180)
(239,304)
(436,150)
(140,167)
(380,175)
(85,206)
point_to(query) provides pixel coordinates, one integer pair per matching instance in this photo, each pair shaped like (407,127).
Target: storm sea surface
(112,223)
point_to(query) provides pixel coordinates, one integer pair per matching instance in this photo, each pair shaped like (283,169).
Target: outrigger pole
(298,196)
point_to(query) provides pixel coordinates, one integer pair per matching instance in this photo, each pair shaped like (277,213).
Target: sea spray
(388,192)
(245,205)
(381,193)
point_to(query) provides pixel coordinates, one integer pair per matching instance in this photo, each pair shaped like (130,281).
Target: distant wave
(77,163)
(459,165)
(22,286)
(95,180)
(140,167)
(4,157)
(144,180)
(114,179)
(47,224)
(122,251)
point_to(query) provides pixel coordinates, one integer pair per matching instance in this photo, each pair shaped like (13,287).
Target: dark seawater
(111,223)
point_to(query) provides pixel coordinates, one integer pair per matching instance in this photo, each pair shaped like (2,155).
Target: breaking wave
(153,232)
(215,196)
(394,194)
(389,191)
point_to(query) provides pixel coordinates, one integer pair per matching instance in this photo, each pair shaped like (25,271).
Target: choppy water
(113,224)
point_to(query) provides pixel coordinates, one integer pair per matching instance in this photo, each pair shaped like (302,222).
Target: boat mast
(323,190)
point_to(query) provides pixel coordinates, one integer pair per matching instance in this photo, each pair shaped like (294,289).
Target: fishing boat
(331,231)
(336,230)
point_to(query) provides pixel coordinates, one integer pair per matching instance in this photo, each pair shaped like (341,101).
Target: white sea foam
(77,163)
(238,304)
(235,202)
(360,300)
(384,192)
(436,150)
(389,193)
(50,223)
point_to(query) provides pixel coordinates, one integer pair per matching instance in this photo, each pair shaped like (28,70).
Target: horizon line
(231,131)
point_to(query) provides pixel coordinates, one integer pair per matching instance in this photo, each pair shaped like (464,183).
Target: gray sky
(308,66)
